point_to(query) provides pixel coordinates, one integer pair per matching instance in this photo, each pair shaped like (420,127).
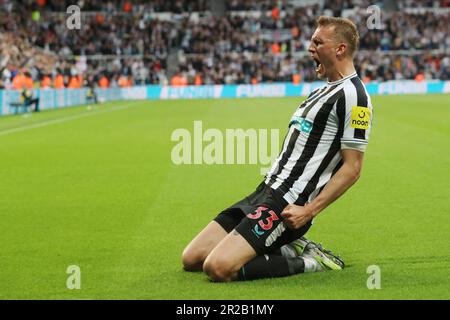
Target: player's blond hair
(345,31)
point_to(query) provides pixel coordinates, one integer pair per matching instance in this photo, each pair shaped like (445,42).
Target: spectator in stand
(46,81)
(217,50)
(59,81)
(103,82)
(178,80)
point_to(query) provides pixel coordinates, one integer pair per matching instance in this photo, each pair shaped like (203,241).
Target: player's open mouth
(319,66)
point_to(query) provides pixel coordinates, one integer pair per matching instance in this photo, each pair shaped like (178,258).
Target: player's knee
(218,270)
(192,261)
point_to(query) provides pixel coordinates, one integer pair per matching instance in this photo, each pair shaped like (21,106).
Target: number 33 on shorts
(266,223)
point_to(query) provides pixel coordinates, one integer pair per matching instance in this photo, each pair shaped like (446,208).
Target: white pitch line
(61,120)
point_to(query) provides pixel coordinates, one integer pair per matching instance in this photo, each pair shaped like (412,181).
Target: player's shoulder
(354,87)
(315,91)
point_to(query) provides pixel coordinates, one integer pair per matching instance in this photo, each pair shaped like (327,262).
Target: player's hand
(296,216)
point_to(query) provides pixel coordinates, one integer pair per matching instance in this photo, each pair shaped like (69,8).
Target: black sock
(276,252)
(271,266)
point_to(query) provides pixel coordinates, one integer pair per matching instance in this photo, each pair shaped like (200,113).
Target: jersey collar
(343,79)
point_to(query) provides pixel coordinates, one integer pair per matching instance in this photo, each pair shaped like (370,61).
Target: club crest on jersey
(301,124)
(360,118)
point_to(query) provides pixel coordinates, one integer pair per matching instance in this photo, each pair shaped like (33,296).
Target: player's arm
(296,216)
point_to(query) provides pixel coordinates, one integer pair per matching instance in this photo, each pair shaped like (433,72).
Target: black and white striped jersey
(336,116)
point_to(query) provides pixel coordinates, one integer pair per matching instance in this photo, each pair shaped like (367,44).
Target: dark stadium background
(124,43)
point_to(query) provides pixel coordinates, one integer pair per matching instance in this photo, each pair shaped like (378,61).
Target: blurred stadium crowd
(136,42)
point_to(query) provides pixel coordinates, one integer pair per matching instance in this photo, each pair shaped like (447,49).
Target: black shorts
(257,218)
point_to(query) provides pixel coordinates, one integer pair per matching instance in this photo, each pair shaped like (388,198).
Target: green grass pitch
(97,189)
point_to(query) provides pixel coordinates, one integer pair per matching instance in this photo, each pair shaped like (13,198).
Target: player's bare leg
(200,247)
(235,259)
(228,257)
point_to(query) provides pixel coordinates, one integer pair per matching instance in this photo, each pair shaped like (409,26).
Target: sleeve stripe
(362,102)
(340,111)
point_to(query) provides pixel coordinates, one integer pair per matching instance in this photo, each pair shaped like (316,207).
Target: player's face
(322,50)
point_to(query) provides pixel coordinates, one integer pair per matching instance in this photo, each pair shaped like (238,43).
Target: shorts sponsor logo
(360,118)
(276,233)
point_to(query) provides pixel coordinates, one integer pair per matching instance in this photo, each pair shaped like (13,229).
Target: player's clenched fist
(296,216)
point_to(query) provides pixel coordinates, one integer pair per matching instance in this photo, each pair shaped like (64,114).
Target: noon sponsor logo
(360,117)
